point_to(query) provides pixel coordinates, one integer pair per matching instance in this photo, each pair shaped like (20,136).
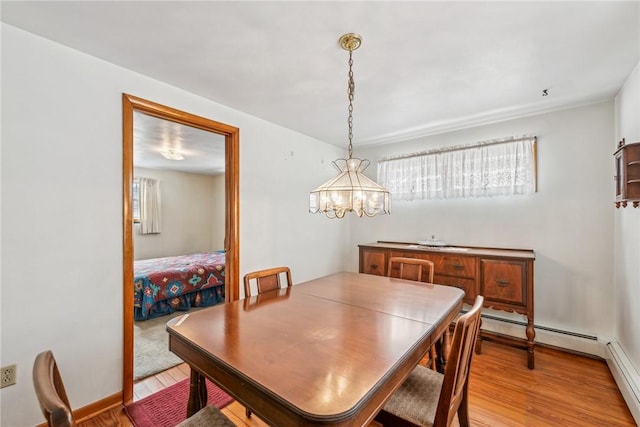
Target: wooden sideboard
(503,276)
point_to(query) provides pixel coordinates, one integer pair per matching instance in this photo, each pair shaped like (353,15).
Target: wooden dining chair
(56,409)
(413,269)
(50,391)
(266,280)
(410,268)
(428,398)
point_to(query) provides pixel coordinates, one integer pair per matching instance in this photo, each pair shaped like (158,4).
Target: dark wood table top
(329,351)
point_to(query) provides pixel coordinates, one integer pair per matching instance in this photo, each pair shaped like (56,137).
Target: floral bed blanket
(164,285)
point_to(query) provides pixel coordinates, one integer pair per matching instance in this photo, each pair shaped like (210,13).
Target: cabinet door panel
(504,281)
(373,262)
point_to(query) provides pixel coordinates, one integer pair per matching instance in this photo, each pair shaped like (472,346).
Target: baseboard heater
(626,376)
(540,327)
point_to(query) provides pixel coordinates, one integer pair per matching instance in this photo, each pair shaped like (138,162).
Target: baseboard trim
(626,376)
(521,343)
(96,408)
(564,340)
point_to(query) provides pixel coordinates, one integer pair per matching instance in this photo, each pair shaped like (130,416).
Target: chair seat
(417,398)
(206,417)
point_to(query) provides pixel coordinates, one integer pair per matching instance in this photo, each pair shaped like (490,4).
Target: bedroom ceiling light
(351,190)
(172,155)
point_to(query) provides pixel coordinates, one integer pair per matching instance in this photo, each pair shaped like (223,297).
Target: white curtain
(492,168)
(149,206)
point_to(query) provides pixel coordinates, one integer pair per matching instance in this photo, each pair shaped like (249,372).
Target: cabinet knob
(502,282)
(374,266)
(458,266)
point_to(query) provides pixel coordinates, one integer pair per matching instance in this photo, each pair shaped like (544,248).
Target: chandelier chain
(351,190)
(351,90)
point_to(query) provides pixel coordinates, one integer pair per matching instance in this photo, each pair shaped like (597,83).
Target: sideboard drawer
(504,281)
(459,266)
(403,254)
(467,285)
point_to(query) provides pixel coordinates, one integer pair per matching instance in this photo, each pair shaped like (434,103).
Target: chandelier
(170,154)
(351,190)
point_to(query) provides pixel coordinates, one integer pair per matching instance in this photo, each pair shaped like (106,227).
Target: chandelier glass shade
(351,190)
(172,154)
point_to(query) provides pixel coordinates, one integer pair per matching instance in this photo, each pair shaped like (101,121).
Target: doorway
(131,104)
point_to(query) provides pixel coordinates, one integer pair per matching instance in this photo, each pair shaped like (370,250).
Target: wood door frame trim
(232,211)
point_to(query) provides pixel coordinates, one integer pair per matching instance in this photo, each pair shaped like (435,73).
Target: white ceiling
(423,68)
(202,151)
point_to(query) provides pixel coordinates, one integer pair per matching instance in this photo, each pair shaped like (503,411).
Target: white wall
(218,219)
(627,231)
(568,222)
(61,176)
(188,203)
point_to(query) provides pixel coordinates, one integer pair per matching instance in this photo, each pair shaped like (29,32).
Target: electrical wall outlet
(8,375)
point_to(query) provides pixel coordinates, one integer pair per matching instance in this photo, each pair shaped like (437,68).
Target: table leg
(479,339)
(443,347)
(197,393)
(531,336)
(438,363)
(446,345)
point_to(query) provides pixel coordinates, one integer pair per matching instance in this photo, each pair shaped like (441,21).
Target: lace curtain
(149,206)
(492,168)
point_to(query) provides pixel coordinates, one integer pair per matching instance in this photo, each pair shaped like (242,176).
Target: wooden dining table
(328,352)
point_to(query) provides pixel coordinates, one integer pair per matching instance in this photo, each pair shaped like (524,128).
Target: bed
(165,285)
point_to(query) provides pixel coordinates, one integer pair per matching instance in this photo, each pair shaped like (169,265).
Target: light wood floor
(564,390)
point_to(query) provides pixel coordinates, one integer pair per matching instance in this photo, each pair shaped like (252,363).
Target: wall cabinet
(503,276)
(627,160)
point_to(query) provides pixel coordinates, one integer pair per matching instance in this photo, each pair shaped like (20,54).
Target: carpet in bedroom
(151,346)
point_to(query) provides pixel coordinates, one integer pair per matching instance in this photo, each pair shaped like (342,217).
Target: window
(492,168)
(145,195)
(135,202)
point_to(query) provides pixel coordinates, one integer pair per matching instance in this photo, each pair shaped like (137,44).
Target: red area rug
(168,407)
